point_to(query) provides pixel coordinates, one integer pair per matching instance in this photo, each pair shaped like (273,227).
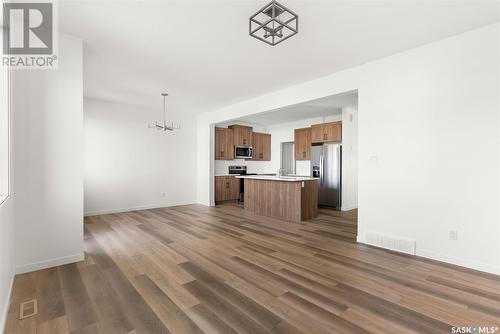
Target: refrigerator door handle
(321,169)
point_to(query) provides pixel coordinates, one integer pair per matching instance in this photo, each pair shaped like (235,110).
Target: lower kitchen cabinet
(227,188)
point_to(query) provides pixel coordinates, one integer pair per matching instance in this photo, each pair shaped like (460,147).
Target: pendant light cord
(164,111)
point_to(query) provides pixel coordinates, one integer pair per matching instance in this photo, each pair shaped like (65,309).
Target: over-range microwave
(242,152)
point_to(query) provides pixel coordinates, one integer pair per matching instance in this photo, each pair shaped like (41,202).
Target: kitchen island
(285,197)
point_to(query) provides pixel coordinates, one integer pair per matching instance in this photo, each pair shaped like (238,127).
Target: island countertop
(276,178)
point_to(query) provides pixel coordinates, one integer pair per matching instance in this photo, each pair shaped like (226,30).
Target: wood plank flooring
(195,269)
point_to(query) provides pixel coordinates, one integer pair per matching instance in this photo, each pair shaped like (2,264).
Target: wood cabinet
(224,147)
(326,132)
(227,188)
(261,144)
(294,201)
(303,144)
(242,135)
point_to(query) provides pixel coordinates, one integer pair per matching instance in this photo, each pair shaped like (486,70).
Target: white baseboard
(26,268)
(136,208)
(348,208)
(485,267)
(7,305)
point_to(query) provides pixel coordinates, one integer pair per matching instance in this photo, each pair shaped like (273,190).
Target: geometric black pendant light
(274,23)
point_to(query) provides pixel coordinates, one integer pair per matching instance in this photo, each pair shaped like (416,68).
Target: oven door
(242,152)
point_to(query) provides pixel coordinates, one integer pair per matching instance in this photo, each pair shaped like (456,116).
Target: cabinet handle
(221,153)
(304,154)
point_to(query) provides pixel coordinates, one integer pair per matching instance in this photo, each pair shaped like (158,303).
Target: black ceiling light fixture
(274,23)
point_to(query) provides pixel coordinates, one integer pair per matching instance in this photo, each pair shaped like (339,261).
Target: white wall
(47,151)
(6,257)
(349,158)
(428,144)
(429,139)
(6,204)
(129,166)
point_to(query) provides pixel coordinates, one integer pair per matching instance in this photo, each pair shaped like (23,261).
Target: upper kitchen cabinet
(242,135)
(261,144)
(326,132)
(303,144)
(224,146)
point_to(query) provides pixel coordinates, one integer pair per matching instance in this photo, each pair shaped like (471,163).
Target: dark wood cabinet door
(261,144)
(233,190)
(333,131)
(317,133)
(246,135)
(229,145)
(220,140)
(324,132)
(265,141)
(224,147)
(242,135)
(256,146)
(227,188)
(220,188)
(303,144)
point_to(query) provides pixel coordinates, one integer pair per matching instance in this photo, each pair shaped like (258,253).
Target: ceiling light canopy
(274,23)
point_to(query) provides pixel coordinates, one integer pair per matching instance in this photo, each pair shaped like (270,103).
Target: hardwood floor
(194,269)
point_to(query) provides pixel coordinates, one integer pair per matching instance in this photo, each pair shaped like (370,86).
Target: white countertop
(275,178)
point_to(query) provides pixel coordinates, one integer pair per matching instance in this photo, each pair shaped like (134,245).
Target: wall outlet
(373,159)
(453,235)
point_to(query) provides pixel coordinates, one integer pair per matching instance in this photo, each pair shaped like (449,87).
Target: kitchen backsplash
(259,167)
(303,167)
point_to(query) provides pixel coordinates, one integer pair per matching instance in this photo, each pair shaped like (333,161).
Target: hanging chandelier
(274,23)
(163,126)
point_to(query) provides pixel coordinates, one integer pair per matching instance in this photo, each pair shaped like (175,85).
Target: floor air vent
(397,244)
(28,309)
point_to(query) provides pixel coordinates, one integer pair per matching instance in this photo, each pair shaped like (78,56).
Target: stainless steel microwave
(242,152)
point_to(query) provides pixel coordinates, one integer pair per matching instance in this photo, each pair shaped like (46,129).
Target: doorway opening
(288,157)
(317,139)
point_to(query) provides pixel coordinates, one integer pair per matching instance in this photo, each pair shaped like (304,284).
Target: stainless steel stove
(240,170)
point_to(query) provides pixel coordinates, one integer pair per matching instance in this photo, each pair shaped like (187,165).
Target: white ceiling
(200,51)
(327,106)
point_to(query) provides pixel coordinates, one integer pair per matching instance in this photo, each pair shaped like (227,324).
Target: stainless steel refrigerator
(326,163)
